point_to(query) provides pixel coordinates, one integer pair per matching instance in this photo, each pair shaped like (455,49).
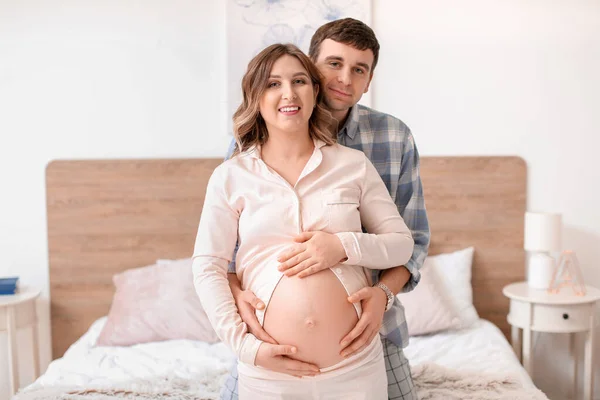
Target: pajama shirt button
(338,270)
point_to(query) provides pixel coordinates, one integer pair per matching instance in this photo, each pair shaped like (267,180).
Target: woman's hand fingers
(276,358)
(299,367)
(312,270)
(294,260)
(300,267)
(291,252)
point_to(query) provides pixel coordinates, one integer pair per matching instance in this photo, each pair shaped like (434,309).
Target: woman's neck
(290,148)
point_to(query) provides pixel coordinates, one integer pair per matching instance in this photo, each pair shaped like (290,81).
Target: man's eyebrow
(334,58)
(338,58)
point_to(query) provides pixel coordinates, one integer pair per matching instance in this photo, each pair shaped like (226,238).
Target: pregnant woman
(288,176)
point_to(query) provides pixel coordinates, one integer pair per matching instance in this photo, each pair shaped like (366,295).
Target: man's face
(347,73)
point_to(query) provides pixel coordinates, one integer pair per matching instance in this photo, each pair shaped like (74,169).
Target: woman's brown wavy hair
(249,127)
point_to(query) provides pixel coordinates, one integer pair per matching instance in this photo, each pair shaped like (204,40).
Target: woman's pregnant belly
(313,314)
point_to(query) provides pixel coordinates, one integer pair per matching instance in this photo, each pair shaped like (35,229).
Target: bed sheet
(481,348)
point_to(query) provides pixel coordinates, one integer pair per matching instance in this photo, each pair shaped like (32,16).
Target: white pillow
(443,299)
(454,271)
(427,308)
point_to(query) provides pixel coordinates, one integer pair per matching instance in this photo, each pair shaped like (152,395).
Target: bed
(109,216)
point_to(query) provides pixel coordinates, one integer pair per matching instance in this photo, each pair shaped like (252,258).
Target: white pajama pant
(360,377)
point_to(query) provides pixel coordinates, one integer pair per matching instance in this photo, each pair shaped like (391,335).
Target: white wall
(116,79)
(507,77)
(97,79)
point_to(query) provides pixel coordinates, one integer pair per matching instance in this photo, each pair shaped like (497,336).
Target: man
(346,52)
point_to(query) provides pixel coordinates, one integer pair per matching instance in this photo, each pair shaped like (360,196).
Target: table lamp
(542,236)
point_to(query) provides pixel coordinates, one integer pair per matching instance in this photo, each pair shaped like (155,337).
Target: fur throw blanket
(433,382)
(436,382)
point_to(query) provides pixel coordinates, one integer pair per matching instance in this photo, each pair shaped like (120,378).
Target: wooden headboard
(105,216)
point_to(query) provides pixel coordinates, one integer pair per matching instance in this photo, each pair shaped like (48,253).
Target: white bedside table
(534,310)
(18,311)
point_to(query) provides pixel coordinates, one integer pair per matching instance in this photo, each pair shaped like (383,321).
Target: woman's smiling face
(289,98)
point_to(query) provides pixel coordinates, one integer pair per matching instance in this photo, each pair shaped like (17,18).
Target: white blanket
(166,366)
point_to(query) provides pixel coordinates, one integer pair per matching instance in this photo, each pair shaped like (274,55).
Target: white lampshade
(543,231)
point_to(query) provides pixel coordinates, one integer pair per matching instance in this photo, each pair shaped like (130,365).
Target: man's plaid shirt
(390,146)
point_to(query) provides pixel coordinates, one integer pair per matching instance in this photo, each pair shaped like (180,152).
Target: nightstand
(534,310)
(18,311)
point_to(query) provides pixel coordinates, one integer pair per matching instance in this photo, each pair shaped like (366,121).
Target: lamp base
(540,271)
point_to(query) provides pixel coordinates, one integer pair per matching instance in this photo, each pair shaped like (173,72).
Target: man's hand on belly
(314,252)
(373,301)
(275,358)
(247,303)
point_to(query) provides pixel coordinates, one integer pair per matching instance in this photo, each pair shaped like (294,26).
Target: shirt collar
(351,125)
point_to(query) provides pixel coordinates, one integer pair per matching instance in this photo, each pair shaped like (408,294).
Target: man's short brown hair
(349,31)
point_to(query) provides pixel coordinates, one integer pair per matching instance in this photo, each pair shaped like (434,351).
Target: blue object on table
(8,285)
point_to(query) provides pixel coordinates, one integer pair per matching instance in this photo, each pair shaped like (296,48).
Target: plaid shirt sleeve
(230,149)
(231,267)
(411,205)
(389,144)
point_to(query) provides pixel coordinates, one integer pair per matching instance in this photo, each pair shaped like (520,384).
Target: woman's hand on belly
(315,251)
(276,358)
